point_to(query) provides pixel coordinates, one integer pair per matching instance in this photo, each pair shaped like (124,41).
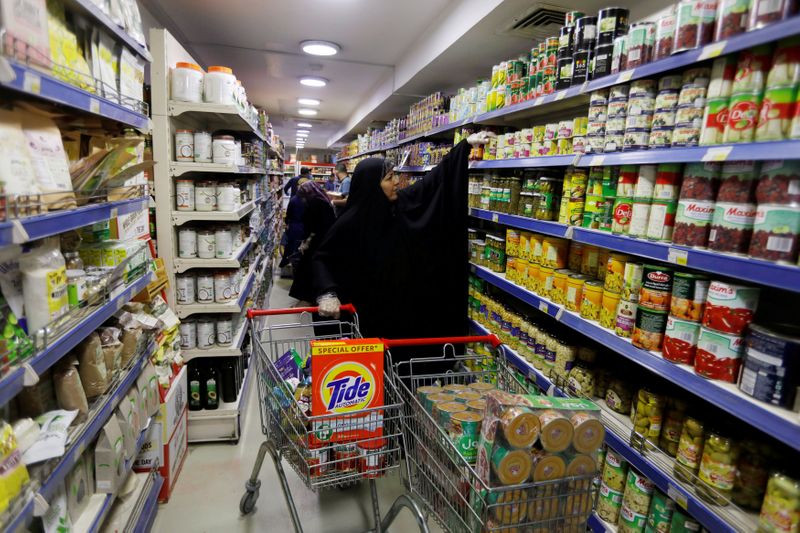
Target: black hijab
(403,264)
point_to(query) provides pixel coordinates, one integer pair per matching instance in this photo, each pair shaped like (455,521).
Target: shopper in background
(401,256)
(330,183)
(318,217)
(294,183)
(344,188)
(294,234)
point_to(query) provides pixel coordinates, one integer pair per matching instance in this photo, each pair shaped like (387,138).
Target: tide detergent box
(346,379)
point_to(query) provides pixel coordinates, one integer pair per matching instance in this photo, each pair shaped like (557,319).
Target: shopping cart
(291,433)
(449,486)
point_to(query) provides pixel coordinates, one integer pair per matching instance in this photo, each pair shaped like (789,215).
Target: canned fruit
(700,181)
(656,290)
(718,355)
(738,182)
(775,233)
(693,223)
(608,311)
(730,308)
(732,227)
(615,273)
(591,300)
(689,295)
(648,332)
(779,183)
(680,340)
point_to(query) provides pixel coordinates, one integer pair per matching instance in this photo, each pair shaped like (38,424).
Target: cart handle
(350,308)
(399,343)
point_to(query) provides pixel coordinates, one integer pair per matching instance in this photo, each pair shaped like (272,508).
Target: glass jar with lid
(619,396)
(690,446)
(717,473)
(73,261)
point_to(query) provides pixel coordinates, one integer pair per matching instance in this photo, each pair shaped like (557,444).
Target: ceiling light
(308,101)
(313,81)
(304,125)
(299,135)
(307,112)
(320,48)
(303,131)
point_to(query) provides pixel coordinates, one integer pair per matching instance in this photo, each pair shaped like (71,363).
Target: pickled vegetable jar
(780,511)
(690,447)
(718,468)
(619,396)
(647,418)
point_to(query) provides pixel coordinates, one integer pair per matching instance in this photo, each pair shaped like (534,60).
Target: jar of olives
(618,396)
(601,382)
(647,417)
(752,474)
(718,468)
(671,428)
(581,380)
(525,208)
(566,354)
(690,446)
(780,511)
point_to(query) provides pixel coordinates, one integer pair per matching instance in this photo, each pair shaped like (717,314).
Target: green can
(606,215)
(444,411)
(572,16)
(683,523)
(615,470)
(609,503)
(610,179)
(743,114)
(775,117)
(660,515)
(464,431)
(714,121)
(635,503)
(689,292)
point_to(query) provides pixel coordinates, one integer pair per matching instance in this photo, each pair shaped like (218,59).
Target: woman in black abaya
(401,257)
(318,217)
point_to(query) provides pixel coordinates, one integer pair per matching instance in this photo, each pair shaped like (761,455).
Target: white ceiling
(259,40)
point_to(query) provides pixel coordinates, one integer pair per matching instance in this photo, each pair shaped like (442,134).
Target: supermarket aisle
(200,507)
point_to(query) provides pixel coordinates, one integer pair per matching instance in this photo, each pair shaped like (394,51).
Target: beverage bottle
(229,388)
(196,386)
(212,386)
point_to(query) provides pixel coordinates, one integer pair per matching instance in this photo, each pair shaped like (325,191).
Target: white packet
(53,437)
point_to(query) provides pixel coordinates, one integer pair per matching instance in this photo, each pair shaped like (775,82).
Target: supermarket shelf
(369,152)
(179,169)
(41,226)
(574,96)
(779,423)
(182,265)
(11,384)
(184,310)
(763,272)
(147,516)
(528,162)
(221,116)
(598,525)
(224,423)
(181,217)
(106,502)
(426,168)
(90,10)
(235,349)
(42,85)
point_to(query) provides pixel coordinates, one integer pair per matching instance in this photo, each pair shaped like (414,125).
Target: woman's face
(389,185)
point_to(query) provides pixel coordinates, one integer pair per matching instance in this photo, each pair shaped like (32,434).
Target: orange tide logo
(347,387)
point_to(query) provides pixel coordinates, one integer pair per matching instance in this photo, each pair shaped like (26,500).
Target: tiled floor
(206,497)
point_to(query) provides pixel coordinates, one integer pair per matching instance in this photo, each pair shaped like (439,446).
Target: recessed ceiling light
(308,101)
(304,125)
(320,48)
(307,112)
(303,131)
(313,81)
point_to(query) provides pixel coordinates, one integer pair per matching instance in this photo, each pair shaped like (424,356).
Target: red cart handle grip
(399,343)
(350,308)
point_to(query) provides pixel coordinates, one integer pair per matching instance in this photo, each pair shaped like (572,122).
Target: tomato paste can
(693,222)
(742,117)
(718,355)
(776,231)
(662,221)
(732,227)
(648,332)
(689,295)
(729,307)
(771,368)
(656,291)
(680,340)
(779,182)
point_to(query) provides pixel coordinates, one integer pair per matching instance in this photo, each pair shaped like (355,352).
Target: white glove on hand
(481,137)
(329,305)
(303,248)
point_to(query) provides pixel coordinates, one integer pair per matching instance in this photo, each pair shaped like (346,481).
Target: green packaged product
(682,523)
(635,503)
(660,515)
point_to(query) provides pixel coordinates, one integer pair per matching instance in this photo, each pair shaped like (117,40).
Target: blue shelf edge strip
(737,404)
(37,83)
(55,222)
(11,384)
(150,508)
(782,276)
(663,481)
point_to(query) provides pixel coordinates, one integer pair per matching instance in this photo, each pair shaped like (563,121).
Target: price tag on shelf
(539,100)
(576,159)
(584,87)
(32,82)
(625,76)
(551,390)
(718,153)
(678,256)
(94,106)
(597,160)
(543,307)
(712,50)
(678,495)
(568,233)
(560,313)
(19,234)
(560,95)
(495,217)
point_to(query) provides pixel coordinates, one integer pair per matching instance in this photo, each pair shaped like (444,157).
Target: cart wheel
(248,503)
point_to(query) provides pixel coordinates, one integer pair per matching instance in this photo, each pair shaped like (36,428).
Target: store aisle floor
(206,497)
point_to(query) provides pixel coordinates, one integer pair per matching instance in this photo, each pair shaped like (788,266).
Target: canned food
(597,113)
(771,372)
(656,291)
(622,215)
(775,116)
(751,69)
(693,222)
(642,88)
(730,308)
(715,119)
(700,181)
(591,300)
(685,135)
(598,97)
(779,183)
(693,95)
(608,309)
(596,128)
(666,100)
(689,295)
(648,331)
(640,218)
(742,117)
(660,137)
(662,221)
(632,281)
(625,319)
(615,125)
(695,24)
(665,37)
(554,252)
(689,114)
(464,431)
(664,119)
(723,72)
(680,340)
(718,355)
(617,107)
(641,105)
(731,227)
(613,142)
(574,295)
(559,291)
(636,139)
(738,182)
(645,182)
(775,233)
(667,181)
(615,272)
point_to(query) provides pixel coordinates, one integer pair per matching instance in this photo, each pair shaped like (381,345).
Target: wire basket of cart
(476,472)
(374,435)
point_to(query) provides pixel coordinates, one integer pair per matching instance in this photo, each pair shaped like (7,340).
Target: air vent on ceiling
(537,22)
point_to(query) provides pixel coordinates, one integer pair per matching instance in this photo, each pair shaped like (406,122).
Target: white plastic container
(205,288)
(223,291)
(219,85)
(187,82)
(184,146)
(224,243)
(187,243)
(224,331)
(239,159)
(224,150)
(202,147)
(227,196)
(236,236)
(206,244)
(205,196)
(185,288)
(184,195)
(205,333)
(188,331)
